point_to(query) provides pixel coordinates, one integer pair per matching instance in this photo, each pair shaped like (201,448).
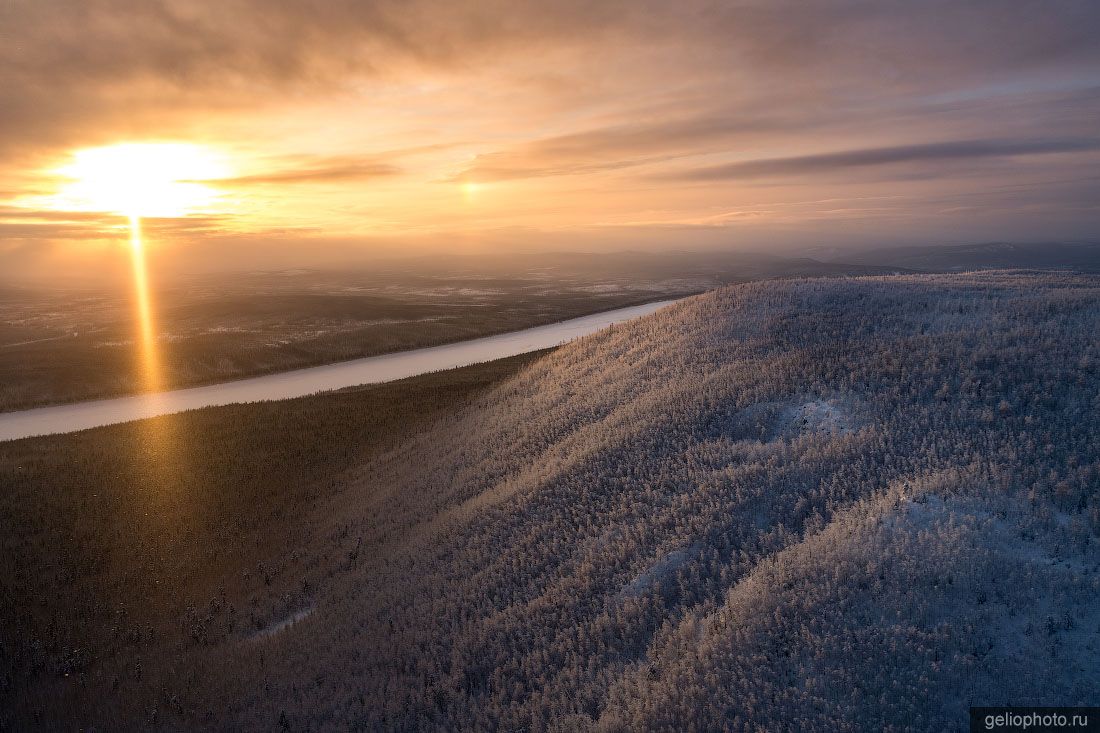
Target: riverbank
(72,417)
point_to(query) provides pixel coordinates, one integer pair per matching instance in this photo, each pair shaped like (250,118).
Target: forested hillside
(822,504)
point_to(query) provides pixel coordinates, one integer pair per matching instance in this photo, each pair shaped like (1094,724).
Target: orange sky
(349,129)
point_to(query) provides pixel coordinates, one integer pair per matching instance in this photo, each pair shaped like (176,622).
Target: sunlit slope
(901,614)
(644,514)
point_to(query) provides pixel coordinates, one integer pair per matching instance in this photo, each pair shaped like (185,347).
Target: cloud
(327,170)
(66,65)
(12,213)
(616,146)
(601,102)
(70,67)
(46,225)
(870,157)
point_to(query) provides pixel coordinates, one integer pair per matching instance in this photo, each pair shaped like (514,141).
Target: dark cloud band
(931,152)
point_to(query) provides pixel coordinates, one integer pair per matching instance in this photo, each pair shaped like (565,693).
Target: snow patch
(826,417)
(283,625)
(657,572)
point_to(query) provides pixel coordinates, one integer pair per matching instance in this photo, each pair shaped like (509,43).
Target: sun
(141,179)
(470,190)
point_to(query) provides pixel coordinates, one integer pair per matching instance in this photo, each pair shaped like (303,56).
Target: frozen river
(300,382)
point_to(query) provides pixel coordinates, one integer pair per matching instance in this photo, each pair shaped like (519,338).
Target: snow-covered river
(300,382)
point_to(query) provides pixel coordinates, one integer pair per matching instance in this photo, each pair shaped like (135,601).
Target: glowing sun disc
(141,179)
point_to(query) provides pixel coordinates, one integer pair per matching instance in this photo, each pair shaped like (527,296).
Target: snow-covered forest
(810,504)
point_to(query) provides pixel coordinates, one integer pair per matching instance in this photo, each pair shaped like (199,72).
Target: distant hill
(1080,257)
(708,268)
(815,504)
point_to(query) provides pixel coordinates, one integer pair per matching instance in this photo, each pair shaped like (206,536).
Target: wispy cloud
(327,170)
(67,64)
(870,157)
(615,146)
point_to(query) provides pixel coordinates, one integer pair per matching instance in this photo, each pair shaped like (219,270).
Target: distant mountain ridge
(994,255)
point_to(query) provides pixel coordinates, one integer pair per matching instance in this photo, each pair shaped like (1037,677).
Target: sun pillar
(148,358)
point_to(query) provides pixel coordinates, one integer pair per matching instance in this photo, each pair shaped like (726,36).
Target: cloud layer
(958,150)
(579,115)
